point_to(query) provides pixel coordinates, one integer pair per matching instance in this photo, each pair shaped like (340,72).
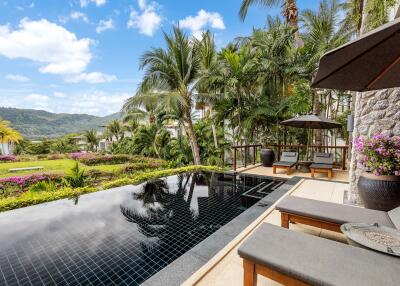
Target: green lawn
(55,166)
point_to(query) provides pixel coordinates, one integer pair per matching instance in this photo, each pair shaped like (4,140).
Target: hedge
(30,198)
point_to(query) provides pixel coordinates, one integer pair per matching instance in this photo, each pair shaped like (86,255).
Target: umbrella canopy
(370,62)
(311,121)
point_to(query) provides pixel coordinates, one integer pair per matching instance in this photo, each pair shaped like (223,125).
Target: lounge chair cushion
(284,164)
(319,261)
(323,158)
(289,157)
(336,213)
(321,166)
(394,216)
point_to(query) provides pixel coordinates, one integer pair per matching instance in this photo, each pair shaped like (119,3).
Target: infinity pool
(117,237)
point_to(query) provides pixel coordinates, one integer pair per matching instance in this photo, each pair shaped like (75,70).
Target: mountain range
(38,124)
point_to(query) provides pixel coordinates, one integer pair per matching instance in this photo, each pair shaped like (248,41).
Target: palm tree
(8,134)
(289,11)
(141,107)
(115,129)
(364,15)
(92,140)
(171,74)
(322,35)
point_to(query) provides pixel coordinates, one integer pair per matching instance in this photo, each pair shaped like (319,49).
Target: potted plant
(379,186)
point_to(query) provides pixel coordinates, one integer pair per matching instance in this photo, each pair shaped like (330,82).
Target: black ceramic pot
(267,157)
(379,192)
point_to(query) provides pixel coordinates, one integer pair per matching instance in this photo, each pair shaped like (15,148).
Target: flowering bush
(7,158)
(79,155)
(24,182)
(381,154)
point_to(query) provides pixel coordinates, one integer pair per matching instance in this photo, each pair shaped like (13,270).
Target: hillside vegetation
(35,124)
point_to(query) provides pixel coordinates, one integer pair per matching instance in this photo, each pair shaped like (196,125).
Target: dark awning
(368,63)
(311,122)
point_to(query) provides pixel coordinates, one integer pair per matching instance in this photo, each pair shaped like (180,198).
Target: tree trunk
(317,111)
(193,139)
(291,14)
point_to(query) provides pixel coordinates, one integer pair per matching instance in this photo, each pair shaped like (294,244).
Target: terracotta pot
(379,192)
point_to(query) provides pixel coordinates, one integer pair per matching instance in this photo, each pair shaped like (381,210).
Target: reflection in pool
(116,237)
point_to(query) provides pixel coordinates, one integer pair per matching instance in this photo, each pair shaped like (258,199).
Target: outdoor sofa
(331,216)
(295,258)
(323,163)
(287,162)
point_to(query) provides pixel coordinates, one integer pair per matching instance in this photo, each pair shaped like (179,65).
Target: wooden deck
(227,267)
(338,175)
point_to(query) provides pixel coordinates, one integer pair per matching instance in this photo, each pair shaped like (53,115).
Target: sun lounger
(323,163)
(294,258)
(288,160)
(331,216)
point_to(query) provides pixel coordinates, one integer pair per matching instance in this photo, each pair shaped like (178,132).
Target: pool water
(117,237)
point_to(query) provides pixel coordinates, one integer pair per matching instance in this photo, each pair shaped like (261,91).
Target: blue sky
(81,56)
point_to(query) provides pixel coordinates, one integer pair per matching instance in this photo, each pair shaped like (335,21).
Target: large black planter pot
(267,157)
(379,192)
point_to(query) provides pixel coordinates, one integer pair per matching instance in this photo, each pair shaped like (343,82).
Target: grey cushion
(289,156)
(284,164)
(331,212)
(319,261)
(321,166)
(394,216)
(323,158)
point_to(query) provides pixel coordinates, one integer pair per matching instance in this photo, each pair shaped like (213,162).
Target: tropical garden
(196,101)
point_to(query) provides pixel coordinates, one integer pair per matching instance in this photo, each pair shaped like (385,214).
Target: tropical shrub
(7,158)
(75,177)
(43,186)
(380,154)
(92,160)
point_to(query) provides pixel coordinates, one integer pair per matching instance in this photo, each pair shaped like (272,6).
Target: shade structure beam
(384,72)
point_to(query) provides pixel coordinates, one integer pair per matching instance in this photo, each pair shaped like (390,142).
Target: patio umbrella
(311,121)
(370,62)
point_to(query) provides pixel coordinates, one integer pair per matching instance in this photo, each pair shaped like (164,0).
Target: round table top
(373,236)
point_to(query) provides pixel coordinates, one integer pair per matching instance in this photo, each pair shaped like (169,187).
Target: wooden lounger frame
(320,170)
(286,218)
(251,269)
(288,168)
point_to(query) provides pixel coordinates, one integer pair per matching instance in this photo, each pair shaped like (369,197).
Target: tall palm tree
(92,140)
(171,74)
(290,12)
(321,35)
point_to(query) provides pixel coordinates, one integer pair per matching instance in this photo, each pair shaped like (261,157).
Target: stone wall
(375,112)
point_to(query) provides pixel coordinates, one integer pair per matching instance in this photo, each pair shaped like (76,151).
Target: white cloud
(93,78)
(58,94)
(17,77)
(147,20)
(57,49)
(75,15)
(105,25)
(37,100)
(203,19)
(85,3)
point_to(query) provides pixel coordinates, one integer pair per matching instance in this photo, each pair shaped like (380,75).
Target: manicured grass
(54,166)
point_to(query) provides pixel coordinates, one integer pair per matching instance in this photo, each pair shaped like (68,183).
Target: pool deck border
(196,262)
